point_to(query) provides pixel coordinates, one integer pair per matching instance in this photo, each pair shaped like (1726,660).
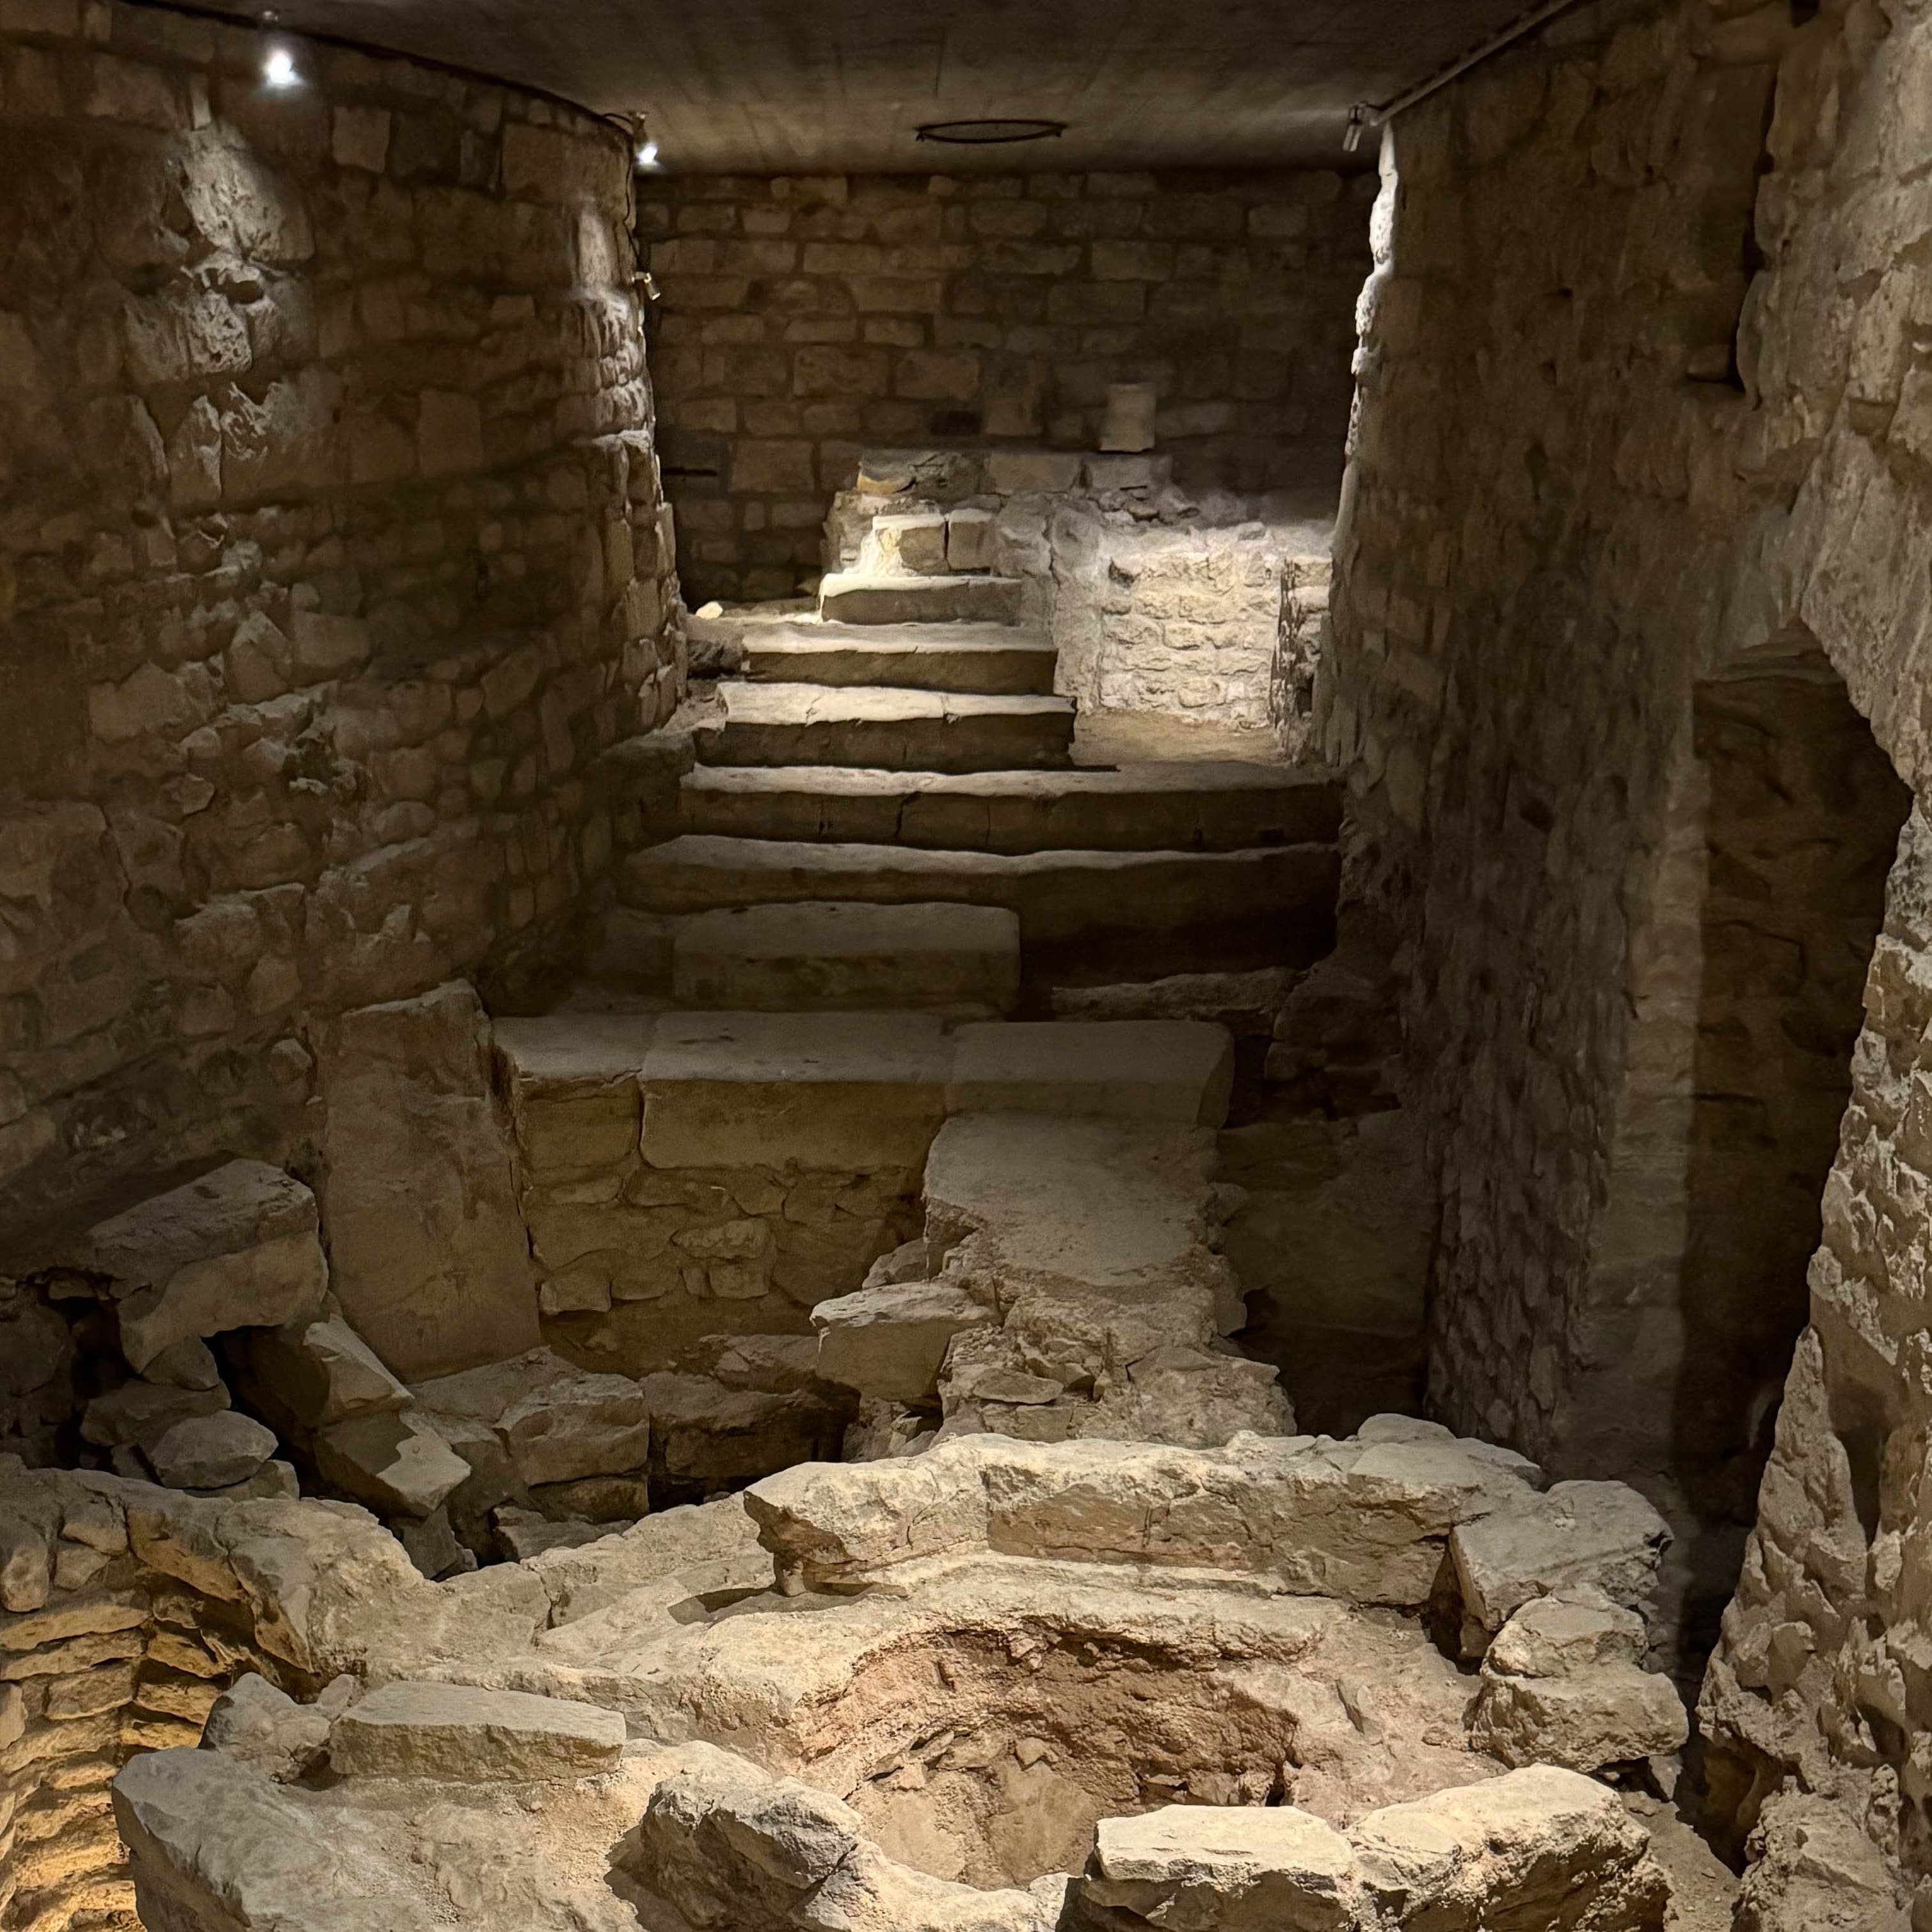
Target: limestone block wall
(331,556)
(803,318)
(1641,395)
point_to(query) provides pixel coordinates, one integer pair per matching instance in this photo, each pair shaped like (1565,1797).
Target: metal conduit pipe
(1365,115)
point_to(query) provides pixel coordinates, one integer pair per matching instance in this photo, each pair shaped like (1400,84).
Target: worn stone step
(856,1092)
(1165,807)
(990,659)
(1281,898)
(821,956)
(897,729)
(855,599)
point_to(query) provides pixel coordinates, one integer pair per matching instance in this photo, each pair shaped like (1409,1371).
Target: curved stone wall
(332,554)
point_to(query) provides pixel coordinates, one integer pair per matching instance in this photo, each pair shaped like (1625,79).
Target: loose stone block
(889,1342)
(237,1249)
(453,1734)
(431,1261)
(211,1452)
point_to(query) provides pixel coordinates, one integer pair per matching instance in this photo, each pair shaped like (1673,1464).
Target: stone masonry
(805,318)
(1596,461)
(331,556)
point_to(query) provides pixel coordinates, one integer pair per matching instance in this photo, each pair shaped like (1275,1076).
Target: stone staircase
(872,790)
(817,1080)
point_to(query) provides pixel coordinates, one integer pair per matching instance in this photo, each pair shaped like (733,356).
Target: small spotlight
(647,155)
(279,69)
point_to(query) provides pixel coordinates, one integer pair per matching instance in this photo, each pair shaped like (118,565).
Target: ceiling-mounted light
(643,149)
(278,69)
(990,133)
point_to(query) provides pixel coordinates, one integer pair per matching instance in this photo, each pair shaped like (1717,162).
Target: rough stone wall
(331,555)
(102,1656)
(1643,391)
(804,317)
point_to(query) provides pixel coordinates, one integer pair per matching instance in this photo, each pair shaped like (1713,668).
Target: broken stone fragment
(273,1481)
(237,1249)
(454,1734)
(211,1452)
(888,1341)
(1603,1534)
(551,1422)
(395,1461)
(266,1729)
(703,1432)
(188,1364)
(317,1373)
(432,1544)
(138,1411)
(524,1533)
(1561,1684)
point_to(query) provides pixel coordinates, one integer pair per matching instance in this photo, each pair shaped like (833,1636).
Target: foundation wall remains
(1642,395)
(804,318)
(331,556)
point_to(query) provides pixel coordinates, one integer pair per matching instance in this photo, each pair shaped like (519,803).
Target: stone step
(1172,911)
(820,956)
(989,659)
(896,730)
(852,1093)
(855,599)
(1154,808)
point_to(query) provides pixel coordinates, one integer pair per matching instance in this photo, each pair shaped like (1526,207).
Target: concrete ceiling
(779,86)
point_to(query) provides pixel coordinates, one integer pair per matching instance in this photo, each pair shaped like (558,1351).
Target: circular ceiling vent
(991,133)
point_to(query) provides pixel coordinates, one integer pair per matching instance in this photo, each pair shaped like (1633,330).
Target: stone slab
(1173,807)
(854,1092)
(1178,1070)
(821,956)
(988,659)
(885,727)
(428,1256)
(855,599)
(454,1734)
(1060,896)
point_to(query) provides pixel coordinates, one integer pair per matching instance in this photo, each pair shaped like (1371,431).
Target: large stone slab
(821,956)
(1174,906)
(315,1373)
(987,659)
(888,727)
(1182,807)
(1365,1522)
(851,1092)
(431,1261)
(1135,1069)
(235,1249)
(853,599)
(454,1734)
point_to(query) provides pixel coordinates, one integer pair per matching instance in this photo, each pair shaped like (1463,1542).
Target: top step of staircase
(993,660)
(847,597)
